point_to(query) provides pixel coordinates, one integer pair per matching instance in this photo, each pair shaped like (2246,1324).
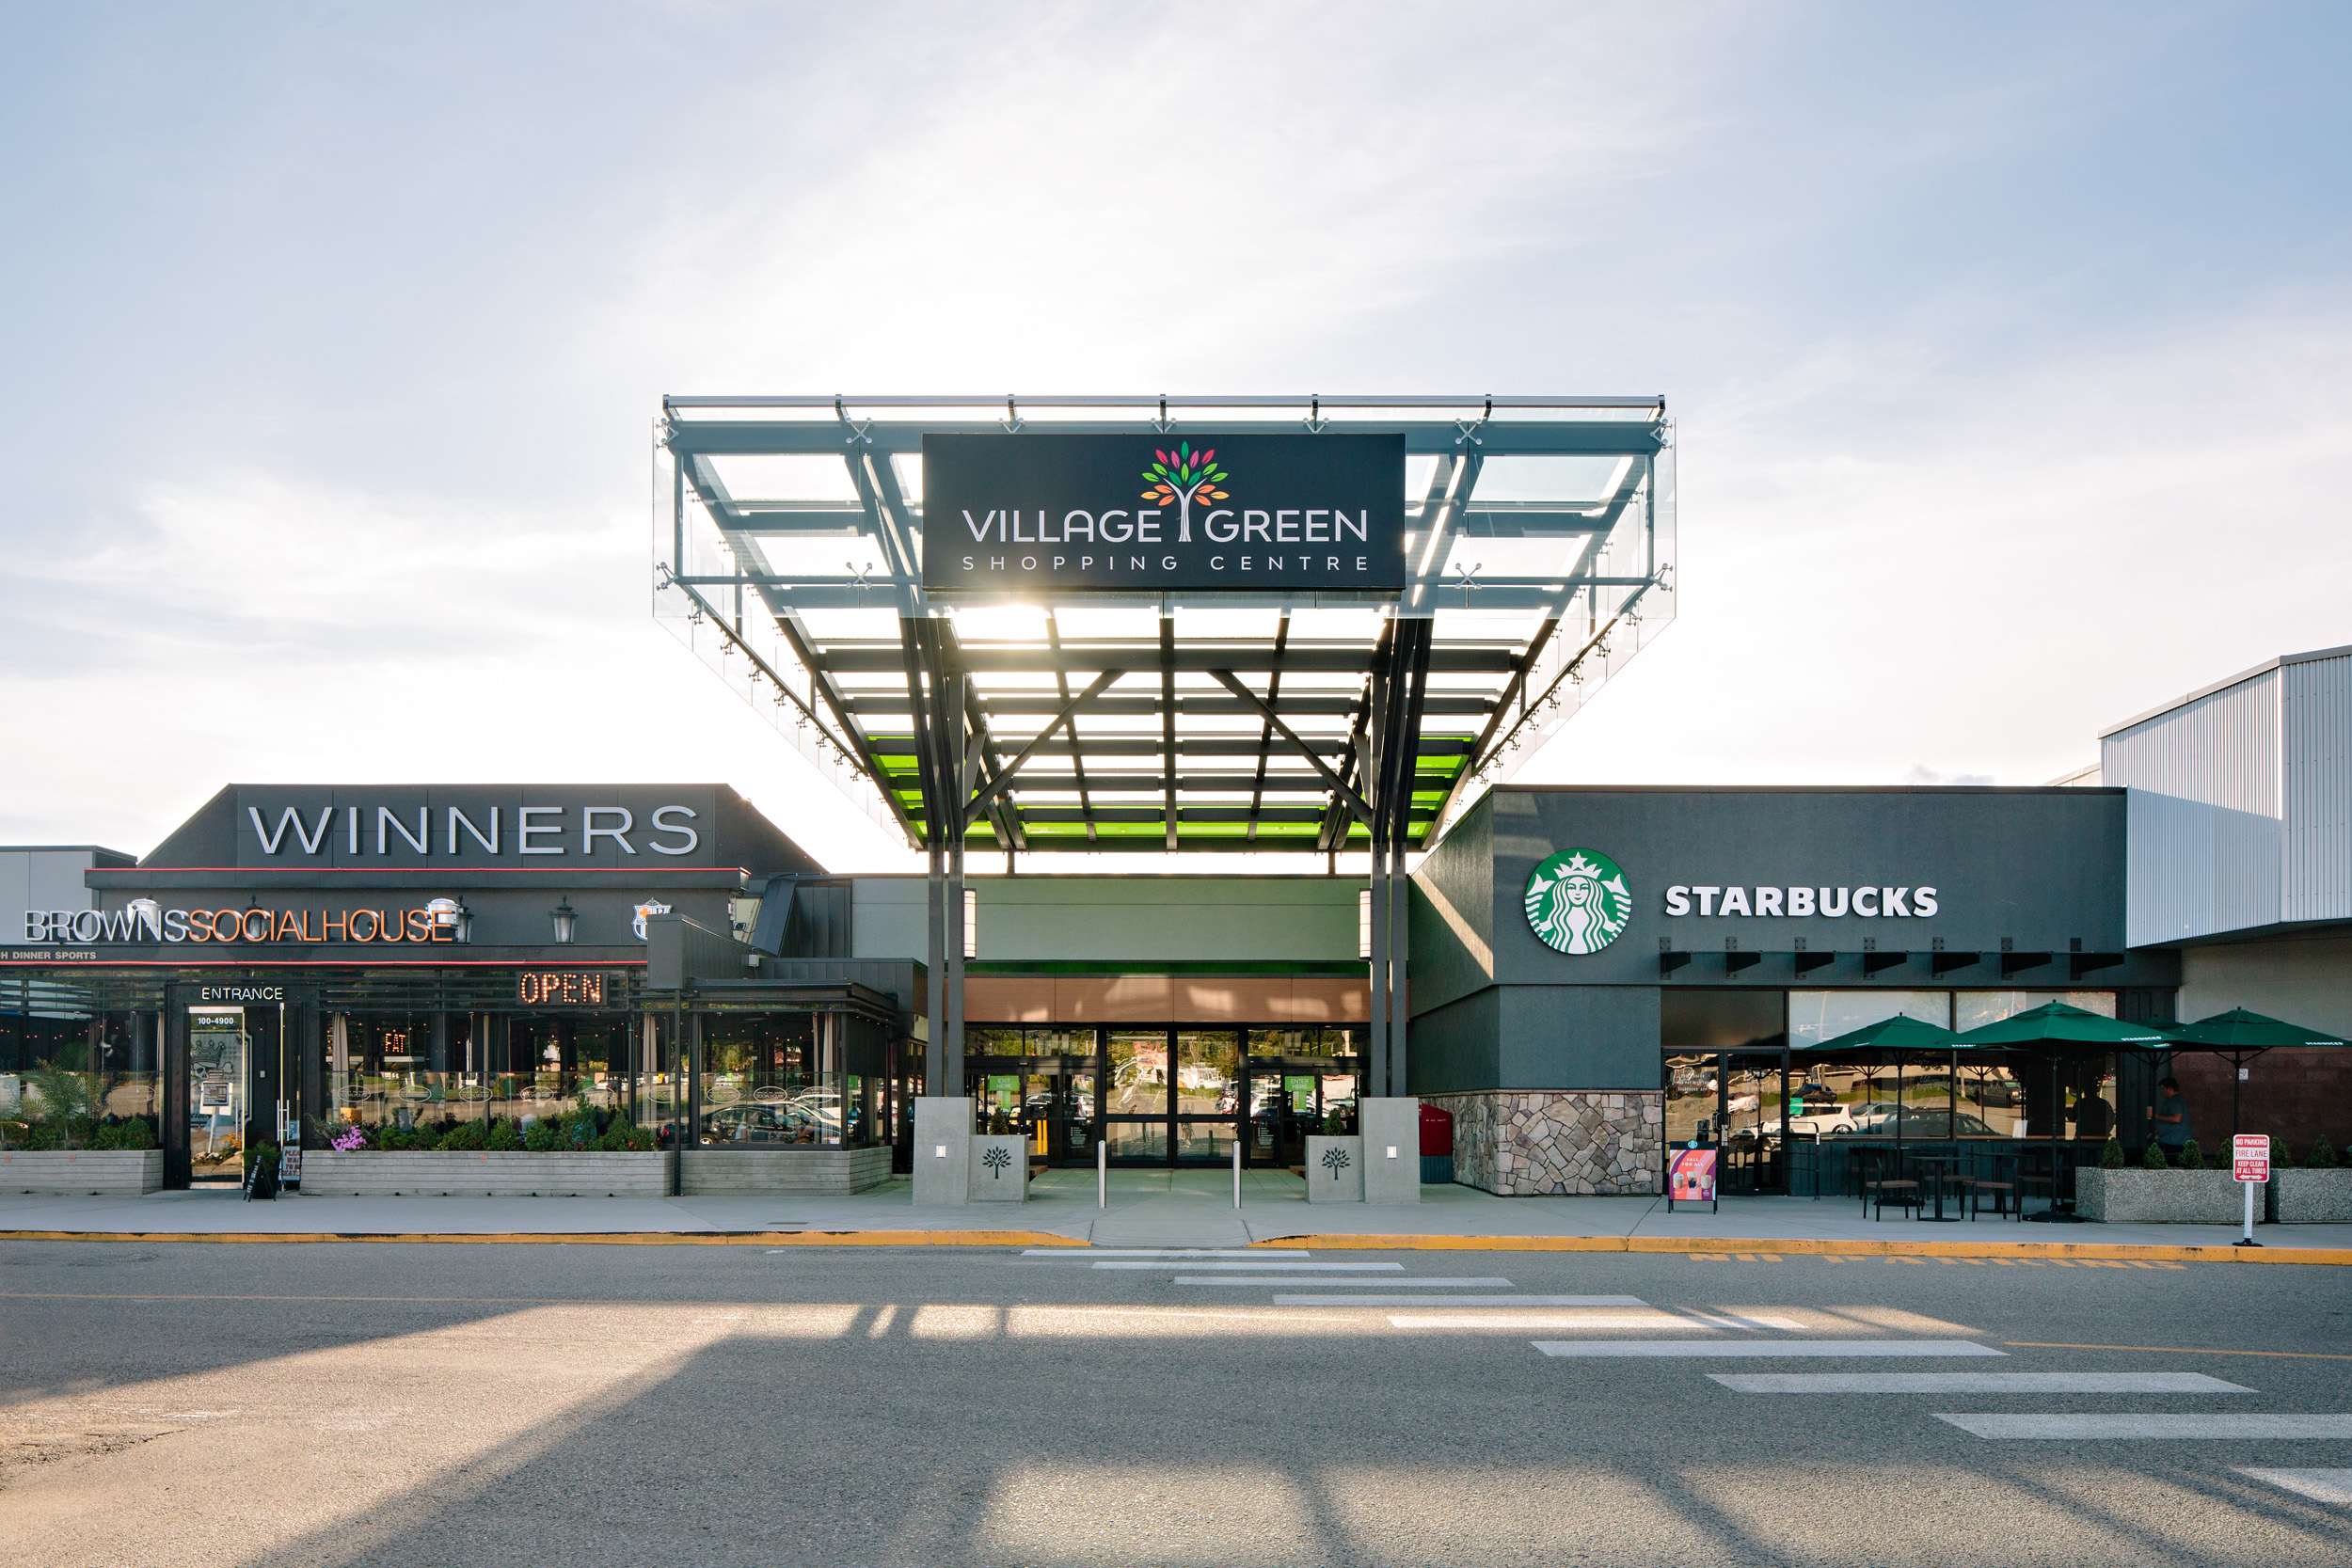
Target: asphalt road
(405,1403)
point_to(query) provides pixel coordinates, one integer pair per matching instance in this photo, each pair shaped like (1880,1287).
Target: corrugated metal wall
(2241,805)
(2207,812)
(2318,711)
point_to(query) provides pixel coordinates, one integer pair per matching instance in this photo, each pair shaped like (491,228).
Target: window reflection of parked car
(1877,1119)
(753,1122)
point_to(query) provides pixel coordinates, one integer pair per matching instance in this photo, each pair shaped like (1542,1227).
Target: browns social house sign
(1228,512)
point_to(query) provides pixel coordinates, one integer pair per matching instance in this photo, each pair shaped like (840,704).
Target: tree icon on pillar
(1335,1160)
(996,1160)
(1182,477)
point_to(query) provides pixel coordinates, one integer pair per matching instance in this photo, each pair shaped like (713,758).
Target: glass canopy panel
(787,544)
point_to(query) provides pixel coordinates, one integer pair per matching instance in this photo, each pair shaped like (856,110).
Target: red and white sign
(2250,1157)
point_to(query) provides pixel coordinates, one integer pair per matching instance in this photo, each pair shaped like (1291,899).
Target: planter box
(481,1173)
(82,1172)
(1335,1170)
(1007,1180)
(2159,1197)
(2311,1196)
(782,1172)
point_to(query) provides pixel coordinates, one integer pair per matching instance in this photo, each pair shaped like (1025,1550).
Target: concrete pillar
(942,1151)
(1391,1133)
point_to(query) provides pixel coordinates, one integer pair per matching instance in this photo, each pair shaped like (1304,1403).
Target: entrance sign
(1147,512)
(2250,1157)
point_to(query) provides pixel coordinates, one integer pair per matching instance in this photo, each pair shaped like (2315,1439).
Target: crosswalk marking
(1653,1319)
(1424,1282)
(1763,1347)
(1450,1301)
(2323,1486)
(1975,1383)
(1320,1268)
(2238,1427)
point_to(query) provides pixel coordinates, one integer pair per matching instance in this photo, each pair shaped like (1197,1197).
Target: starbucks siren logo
(1577,901)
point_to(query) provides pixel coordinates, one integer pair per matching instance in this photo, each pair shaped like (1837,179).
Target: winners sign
(1158,511)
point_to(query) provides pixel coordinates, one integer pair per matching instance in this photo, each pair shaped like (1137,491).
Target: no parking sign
(2250,1157)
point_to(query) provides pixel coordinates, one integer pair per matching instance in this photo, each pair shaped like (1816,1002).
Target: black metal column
(178,1167)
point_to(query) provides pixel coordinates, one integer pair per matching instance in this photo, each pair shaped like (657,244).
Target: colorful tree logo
(1182,477)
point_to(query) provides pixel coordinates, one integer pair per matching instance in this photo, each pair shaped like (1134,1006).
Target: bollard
(1101,1173)
(1237,1173)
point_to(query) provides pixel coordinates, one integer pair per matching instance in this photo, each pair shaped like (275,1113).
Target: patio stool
(1906,1196)
(2004,1197)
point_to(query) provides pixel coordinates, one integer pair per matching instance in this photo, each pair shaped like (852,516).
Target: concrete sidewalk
(1151,1209)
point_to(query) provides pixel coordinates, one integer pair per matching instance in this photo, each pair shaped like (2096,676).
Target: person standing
(2170,1117)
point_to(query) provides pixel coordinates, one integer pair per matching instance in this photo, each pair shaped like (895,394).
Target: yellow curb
(2340,1256)
(585,1238)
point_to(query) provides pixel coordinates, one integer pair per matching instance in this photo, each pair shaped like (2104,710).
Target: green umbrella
(1890,1038)
(2055,1029)
(2242,1036)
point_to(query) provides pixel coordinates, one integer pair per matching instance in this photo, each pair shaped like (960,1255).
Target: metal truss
(789,538)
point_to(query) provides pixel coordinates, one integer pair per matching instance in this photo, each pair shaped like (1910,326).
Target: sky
(2010,346)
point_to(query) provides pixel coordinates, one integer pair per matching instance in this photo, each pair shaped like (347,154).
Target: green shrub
(502,1135)
(2152,1157)
(266,1154)
(621,1138)
(2111,1157)
(543,1139)
(2192,1158)
(466,1135)
(134,1132)
(2322,1156)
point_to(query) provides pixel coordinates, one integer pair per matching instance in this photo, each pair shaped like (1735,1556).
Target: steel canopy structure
(788,544)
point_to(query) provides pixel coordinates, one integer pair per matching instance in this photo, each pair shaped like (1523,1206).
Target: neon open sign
(572,987)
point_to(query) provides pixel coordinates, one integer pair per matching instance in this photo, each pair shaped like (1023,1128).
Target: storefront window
(1815,1016)
(425,1074)
(70,1079)
(763,1084)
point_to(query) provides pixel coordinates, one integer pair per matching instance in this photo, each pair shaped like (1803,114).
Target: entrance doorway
(232,1077)
(1164,1094)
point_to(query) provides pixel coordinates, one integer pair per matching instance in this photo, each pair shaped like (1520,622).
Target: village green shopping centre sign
(1231,513)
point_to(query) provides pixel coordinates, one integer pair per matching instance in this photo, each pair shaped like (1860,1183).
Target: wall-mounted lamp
(971,922)
(567,923)
(1363,923)
(452,915)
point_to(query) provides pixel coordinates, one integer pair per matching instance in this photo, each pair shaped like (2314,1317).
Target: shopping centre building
(1578,976)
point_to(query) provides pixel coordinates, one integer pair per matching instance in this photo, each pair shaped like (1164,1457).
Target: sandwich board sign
(1690,1177)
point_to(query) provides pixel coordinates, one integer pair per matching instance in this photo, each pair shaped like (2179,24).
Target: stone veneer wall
(1550,1142)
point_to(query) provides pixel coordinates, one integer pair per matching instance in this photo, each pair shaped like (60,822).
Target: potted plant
(69,1148)
(2175,1191)
(585,1152)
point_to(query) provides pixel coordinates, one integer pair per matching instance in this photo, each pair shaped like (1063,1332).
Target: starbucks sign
(1577,901)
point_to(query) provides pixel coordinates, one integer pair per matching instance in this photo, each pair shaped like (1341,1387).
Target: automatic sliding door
(1208,1093)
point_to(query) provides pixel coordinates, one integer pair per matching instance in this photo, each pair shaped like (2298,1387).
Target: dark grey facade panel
(1591,1037)
(1451,914)
(1578,1038)
(1457,1046)
(2039,869)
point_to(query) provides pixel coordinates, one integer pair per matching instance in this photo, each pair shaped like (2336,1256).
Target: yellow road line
(646,1238)
(2183,1349)
(2065,1254)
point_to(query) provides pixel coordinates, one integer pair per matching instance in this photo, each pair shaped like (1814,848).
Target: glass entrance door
(1046,1099)
(220,1089)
